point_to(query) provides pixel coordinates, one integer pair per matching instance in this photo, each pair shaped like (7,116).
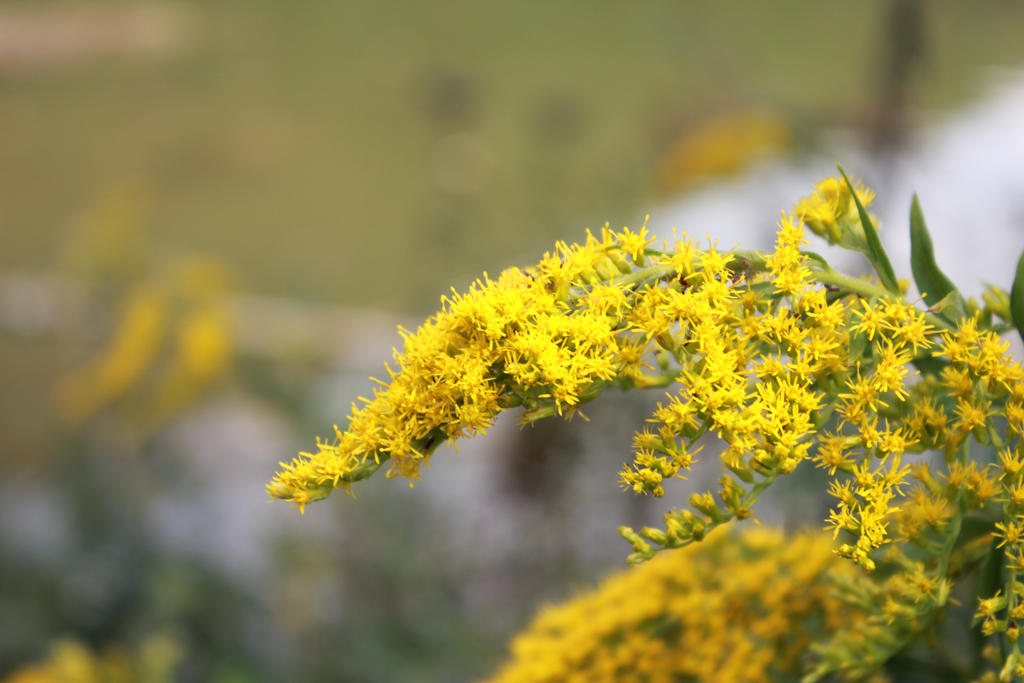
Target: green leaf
(973,526)
(951,308)
(1017,298)
(817,258)
(930,366)
(951,300)
(876,252)
(931,281)
(989,581)
(855,352)
(991,577)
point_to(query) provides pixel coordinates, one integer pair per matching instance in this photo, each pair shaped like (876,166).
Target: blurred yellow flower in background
(69,661)
(172,341)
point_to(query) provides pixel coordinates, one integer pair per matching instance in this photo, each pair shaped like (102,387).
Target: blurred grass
(299,141)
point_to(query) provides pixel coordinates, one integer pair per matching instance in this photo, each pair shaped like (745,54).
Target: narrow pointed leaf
(989,581)
(817,258)
(876,252)
(931,281)
(1017,298)
(951,301)
(927,365)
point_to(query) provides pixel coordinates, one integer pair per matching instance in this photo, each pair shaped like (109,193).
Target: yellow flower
(130,354)
(735,608)
(831,213)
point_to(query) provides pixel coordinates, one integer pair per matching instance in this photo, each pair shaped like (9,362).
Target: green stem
(857,286)
(955,524)
(643,275)
(748,500)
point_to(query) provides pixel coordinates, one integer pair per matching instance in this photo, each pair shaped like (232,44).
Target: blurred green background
(340,165)
(304,142)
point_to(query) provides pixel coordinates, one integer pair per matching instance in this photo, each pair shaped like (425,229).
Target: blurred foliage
(172,330)
(294,140)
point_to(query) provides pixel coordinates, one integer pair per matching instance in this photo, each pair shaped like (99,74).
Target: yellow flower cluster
(784,360)
(723,146)
(172,341)
(129,354)
(739,607)
(71,662)
(891,612)
(983,382)
(831,212)
(547,338)
(887,335)
(751,358)
(588,316)
(881,417)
